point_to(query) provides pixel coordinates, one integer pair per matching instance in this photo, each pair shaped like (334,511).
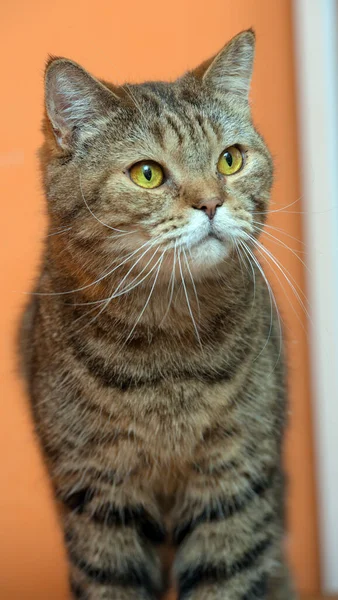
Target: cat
(151,348)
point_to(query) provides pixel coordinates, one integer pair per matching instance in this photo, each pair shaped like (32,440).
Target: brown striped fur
(161,410)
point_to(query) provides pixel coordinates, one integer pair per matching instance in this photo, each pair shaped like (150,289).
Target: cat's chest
(173,416)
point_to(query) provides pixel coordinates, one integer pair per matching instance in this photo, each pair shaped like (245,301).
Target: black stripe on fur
(133,574)
(136,516)
(109,515)
(110,376)
(219,573)
(258,589)
(226,508)
(77,501)
(77,591)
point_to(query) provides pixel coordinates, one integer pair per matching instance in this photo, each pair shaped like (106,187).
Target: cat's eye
(147,174)
(230,161)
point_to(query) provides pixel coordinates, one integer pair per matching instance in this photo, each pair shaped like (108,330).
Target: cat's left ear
(75,100)
(231,69)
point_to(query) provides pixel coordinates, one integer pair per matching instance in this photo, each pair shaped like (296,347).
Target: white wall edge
(316,45)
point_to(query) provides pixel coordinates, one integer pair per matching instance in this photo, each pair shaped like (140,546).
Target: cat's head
(158,166)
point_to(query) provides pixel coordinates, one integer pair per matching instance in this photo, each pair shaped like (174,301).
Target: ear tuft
(50,59)
(74,99)
(231,69)
(250,30)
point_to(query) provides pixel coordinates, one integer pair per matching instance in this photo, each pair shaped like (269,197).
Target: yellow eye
(230,161)
(147,174)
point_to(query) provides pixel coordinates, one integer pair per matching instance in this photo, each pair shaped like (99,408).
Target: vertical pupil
(228,158)
(147,172)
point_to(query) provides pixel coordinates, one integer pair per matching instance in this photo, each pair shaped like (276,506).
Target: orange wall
(121,40)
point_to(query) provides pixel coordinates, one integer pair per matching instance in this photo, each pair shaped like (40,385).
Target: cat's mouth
(213,234)
(209,236)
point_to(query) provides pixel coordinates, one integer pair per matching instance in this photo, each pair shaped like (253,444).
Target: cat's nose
(209,206)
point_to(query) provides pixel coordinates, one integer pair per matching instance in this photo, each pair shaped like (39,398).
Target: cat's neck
(157,308)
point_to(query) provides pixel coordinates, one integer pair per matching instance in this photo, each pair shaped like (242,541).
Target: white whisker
(114,294)
(120,235)
(277,241)
(107,301)
(84,287)
(148,299)
(135,102)
(272,300)
(279,229)
(289,278)
(276,210)
(91,212)
(239,256)
(187,299)
(64,230)
(192,281)
(171,285)
(242,245)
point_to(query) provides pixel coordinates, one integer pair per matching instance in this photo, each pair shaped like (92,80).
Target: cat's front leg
(111,538)
(228,532)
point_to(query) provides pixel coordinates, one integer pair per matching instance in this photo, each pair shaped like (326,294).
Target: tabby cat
(151,348)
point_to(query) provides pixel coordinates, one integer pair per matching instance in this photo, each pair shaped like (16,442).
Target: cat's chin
(209,252)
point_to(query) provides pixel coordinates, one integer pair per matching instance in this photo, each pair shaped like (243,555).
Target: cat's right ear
(75,100)
(231,69)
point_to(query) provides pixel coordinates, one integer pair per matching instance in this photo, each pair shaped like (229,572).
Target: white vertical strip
(316,25)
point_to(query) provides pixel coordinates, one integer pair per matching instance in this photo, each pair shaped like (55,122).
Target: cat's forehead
(186,121)
(186,105)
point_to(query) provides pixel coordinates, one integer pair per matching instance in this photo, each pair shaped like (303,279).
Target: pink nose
(210,206)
